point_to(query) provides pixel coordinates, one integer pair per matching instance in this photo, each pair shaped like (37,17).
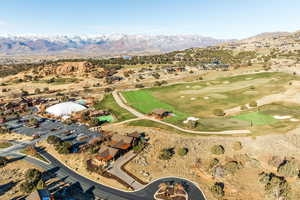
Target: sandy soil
(14,136)
(255,155)
(13,173)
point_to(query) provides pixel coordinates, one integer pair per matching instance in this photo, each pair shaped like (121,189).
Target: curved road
(119,101)
(102,191)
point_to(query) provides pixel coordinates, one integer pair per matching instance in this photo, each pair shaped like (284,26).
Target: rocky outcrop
(65,68)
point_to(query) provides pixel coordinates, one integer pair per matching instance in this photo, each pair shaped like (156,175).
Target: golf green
(256,118)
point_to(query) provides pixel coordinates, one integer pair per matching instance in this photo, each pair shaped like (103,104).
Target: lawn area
(256,118)
(108,118)
(4,145)
(145,102)
(109,103)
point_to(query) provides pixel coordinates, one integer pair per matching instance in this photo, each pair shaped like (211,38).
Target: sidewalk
(117,170)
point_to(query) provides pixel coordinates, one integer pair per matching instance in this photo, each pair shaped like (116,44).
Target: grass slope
(145,102)
(109,103)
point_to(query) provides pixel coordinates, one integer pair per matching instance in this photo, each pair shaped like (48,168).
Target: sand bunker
(190,119)
(294,120)
(282,117)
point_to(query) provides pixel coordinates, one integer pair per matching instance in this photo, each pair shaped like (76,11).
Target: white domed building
(65,109)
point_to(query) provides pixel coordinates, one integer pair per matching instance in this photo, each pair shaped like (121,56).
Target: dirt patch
(254,155)
(14,136)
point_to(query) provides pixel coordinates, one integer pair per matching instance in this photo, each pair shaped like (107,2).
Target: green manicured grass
(4,145)
(189,99)
(256,118)
(145,102)
(109,103)
(108,118)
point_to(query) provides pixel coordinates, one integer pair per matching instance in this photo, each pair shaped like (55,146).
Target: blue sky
(215,18)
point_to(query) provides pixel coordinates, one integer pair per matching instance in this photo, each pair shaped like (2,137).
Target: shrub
(244,107)
(139,86)
(33,176)
(37,91)
(107,90)
(182,151)
(46,90)
(275,186)
(27,187)
(41,185)
(232,167)
(63,147)
(264,178)
(288,168)
(3,161)
(218,190)
(253,104)
(237,146)
(218,149)
(52,139)
(139,146)
(212,163)
(166,154)
(33,122)
(94,122)
(219,112)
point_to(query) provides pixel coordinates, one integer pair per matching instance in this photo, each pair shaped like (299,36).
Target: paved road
(119,101)
(117,170)
(102,191)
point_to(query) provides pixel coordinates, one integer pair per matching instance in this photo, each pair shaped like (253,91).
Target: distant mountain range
(102,45)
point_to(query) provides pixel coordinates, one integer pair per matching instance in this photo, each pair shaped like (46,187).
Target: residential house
(136,137)
(121,142)
(160,113)
(96,113)
(105,154)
